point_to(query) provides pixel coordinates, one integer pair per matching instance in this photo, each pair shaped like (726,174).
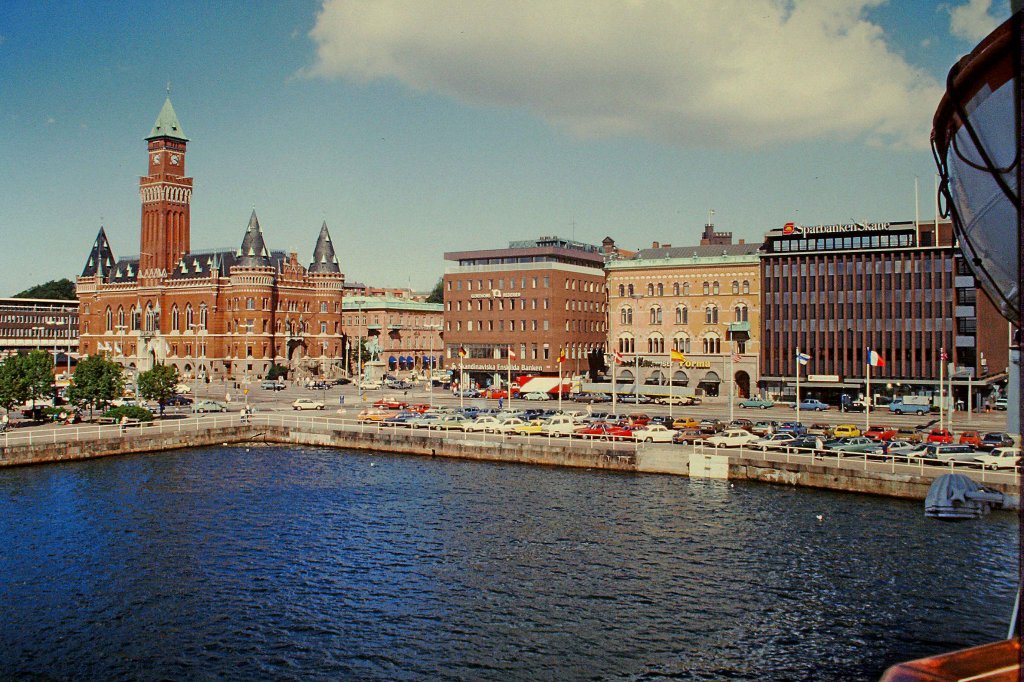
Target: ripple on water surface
(302,563)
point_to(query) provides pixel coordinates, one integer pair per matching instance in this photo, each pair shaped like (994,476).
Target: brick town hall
(209,313)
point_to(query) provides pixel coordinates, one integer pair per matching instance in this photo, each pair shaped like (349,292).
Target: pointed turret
(324,258)
(253,252)
(167,124)
(101,259)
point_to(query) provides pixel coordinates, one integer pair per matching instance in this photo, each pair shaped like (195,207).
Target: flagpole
(797,385)
(732,383)
(671,390)
(615,390)
(462,384)
(867,407)
(559,379)
(942,387)
(508,382)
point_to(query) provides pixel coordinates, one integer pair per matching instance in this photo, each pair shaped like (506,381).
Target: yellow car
(530,428)
(845,431)
(685,423)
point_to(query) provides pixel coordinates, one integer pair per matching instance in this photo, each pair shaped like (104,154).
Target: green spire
(167,124)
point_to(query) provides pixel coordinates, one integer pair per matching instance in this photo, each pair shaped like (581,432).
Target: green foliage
(158,384)
(38,369)
(130,411)
(277,372)
(96,382)
(59,289)
(437,294)
(13,386)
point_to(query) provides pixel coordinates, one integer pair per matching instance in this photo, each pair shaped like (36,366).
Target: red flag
(511,353)
(561,355)
(462,352)
(943,355)
(617,358)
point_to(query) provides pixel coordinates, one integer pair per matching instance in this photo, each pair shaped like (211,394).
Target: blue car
(815,405)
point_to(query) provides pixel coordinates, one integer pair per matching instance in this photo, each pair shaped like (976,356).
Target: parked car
(815,405)
(796,428)
(638,419)
(592,398)
(1000,458)
(711,426)
(530,428)
(880,432)
(400,419)
(536,395)
(855,445)
(485,422)
(634,398)
(900,407)
(846,431)
(448,422)
(690,436)
(674,400)
(425,420)
(508,424)
(732,438)
(317,386)
(685,423)
(560,425)
(995,439)
(773,441)
(945,452)
(269,385)
(390,403)
(971,437)
(374,414)
(201,406)
(653,433)
(940,436)
(756,403)
(369,385)
(764,427)
(307,404)
(398,385)
(1000,404)
(600,430)
(745,424)
(182,400)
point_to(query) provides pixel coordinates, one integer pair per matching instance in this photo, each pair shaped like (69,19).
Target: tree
(96,382)
(158,384)
(13,387)
(37,367)
(437,295)
(59,289)
(277,372)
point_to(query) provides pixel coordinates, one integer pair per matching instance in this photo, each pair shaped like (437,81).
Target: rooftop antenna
(711,212)
(168,88)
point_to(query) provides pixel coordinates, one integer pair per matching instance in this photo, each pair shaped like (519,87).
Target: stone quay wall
(626,457)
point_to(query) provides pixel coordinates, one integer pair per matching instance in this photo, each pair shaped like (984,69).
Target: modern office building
(209,313)
(536,298)
(48,324)
(703,301)
(900,289)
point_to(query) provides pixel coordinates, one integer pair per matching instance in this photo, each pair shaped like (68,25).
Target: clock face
(156,158)
(174,159)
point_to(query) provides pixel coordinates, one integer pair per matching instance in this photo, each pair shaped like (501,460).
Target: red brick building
(536,297)
(215,313)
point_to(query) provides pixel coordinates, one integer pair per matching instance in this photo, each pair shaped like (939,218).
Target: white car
(183,389)
(536,396)
(369,385)
(509,425)
(733,438)
(1000,458)
(486,423)
(654,433)
(673,400)
(307,404)
(773,441)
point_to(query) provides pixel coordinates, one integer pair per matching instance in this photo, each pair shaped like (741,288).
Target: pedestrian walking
(501,403)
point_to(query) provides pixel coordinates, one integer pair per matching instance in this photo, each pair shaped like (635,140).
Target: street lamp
(195,326)
(636,354)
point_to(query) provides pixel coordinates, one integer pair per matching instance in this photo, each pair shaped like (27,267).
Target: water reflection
(281,563)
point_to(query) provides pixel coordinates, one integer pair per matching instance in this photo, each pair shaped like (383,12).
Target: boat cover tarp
(956,496)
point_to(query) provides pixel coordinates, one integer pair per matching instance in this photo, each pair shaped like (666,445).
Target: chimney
(654,245)
(743,241)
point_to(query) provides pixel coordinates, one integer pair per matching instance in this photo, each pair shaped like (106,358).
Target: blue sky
(419,127)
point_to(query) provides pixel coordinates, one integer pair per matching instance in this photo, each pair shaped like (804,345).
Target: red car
(971,438)
(880,433)
(419,408)
(940,436)
(391,404)
(596,430)
(620,432)
(638,419)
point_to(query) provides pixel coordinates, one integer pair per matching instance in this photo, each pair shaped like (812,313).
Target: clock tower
(166,196)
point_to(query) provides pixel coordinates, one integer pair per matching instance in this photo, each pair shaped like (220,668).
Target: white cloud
(972,21)
(727,73)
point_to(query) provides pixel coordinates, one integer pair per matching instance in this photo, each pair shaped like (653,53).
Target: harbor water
(245,563)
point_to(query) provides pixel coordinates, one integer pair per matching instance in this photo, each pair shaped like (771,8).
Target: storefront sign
(697,364)
(500,366)
(824,378)
(498,293)
(790,229)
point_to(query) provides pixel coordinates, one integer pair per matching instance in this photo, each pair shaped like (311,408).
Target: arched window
(202,315)
(189,318)
(109,318)
(133,314)
(735,287)
(626,344)
(655,344)
(622,290)
(120,316)
(714,288)
(686,288)
(741,313)
(626,315)
(707,288)
(150,318)
(250,303)
(656,314)
(675,288)
(629,290)
(712,344)
(650,290)
(661,289)
(681,343)
(746,286)
(175,318)
(711,314)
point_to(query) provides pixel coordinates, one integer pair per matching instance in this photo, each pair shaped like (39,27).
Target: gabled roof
(324,258)
(203,264)
(126,270)
(167,124)
(101,259)
(253,252)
